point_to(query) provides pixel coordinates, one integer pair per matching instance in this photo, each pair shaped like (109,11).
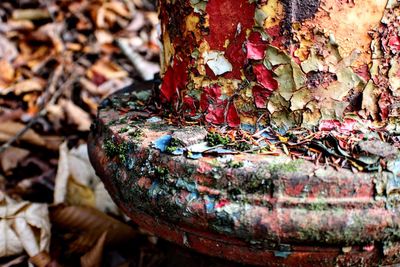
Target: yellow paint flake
(274,12)
(192,22)
(167,52)
(359,18)
(226,44)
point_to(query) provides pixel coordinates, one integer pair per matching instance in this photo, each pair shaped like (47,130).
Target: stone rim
(352,213)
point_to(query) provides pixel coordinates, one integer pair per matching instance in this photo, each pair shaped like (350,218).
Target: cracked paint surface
(281,63)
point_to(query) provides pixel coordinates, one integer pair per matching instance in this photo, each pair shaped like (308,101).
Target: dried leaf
(30,14)
(107,69)
(8,51)
(9,129)
(76,115)
(41,260)
(26,227)
(7,73)
(11,157)
(29,85)
(93,257)
(76,182)
(90,224)
(9,242)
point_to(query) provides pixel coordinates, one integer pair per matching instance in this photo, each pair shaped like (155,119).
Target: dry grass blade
(90,224)
(93,257)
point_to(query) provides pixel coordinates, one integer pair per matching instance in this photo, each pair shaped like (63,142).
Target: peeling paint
(321,70)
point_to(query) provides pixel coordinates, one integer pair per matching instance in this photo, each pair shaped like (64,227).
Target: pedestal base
(255,209)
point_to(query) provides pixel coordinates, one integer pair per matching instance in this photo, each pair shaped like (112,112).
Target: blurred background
(58,60)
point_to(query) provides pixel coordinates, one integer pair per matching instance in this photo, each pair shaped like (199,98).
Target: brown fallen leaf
(7,71)
(9,129)
(89,224)
(93,257)
(8,50)
(119,8)
(25,226)
(10,158)
(41,260)
(19,25)
(107,69)
(29,85)
(76,115)
(30,14)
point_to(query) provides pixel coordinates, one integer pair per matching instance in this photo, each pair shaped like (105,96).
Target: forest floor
(58,60)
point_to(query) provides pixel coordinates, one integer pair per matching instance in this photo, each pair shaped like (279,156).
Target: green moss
(123,130)
(318,206)
(110,148)
(173,145)
(123,120)
(215,139)
(136,133)
(292,166)
(235,164)
(241,146)
(161,171)
(121,150)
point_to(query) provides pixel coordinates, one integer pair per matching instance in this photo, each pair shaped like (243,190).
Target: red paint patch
(224,17)
(209,96)
(261,96)
(232,117)
(222,203)
(236,56)
(394,43)
(363,72)
(215,114)
(144,182)
(174,81)
(264,77)
(384,104)
(348,125)
(189,106)
(215,107)
(277,39)
(255,46)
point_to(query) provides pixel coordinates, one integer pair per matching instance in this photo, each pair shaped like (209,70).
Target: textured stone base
(256,209)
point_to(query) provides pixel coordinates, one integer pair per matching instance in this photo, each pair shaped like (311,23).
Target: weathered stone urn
(272,137)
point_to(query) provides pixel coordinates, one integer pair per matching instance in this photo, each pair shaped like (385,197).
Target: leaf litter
(58,61)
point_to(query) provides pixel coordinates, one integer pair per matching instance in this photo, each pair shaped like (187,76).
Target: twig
(43,111)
